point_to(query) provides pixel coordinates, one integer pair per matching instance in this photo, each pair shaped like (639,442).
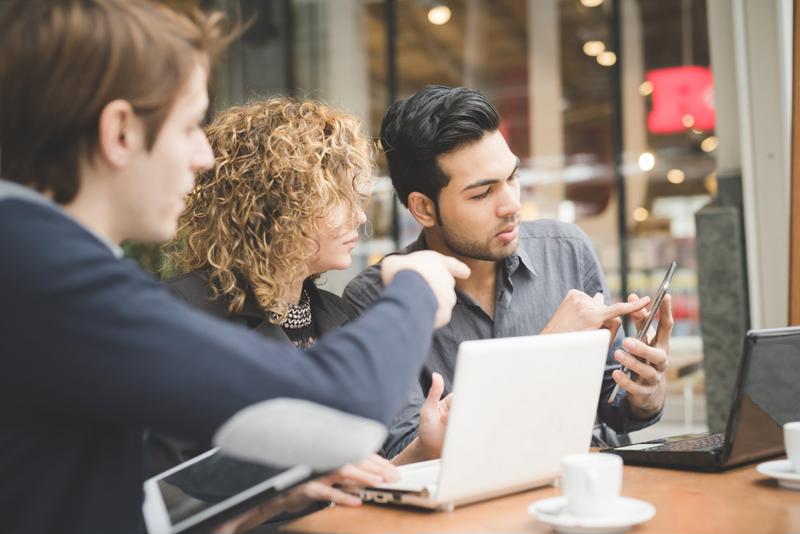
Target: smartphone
(641,334)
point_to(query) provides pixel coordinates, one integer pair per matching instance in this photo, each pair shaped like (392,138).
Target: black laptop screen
(773,380)
(768,394)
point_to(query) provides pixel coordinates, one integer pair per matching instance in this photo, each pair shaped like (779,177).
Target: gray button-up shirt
(552,258)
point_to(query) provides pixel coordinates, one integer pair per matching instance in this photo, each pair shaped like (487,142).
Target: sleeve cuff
(393,446)
(630,422)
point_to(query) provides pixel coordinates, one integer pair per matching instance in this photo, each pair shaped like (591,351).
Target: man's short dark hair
(434,121)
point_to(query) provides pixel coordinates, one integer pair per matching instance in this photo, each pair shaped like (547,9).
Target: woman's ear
(422,208)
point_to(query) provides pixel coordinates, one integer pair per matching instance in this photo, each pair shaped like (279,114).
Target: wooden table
(741,500)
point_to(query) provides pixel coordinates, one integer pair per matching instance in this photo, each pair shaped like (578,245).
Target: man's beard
(472,249)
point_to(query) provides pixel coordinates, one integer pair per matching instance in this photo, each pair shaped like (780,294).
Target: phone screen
(662,290)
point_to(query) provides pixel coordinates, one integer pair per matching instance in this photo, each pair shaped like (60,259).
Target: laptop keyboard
(707,443)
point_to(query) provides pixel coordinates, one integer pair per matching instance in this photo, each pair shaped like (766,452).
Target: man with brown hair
(100,138)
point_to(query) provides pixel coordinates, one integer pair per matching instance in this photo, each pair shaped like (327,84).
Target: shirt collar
(419,244)
(10,189)
(522,258)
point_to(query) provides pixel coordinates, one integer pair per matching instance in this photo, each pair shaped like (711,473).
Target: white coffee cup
(791,441)
(591,483)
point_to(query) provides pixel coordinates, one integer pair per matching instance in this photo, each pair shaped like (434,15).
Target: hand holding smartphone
(641,334)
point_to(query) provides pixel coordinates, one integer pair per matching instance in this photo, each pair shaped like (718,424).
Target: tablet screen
(211,484)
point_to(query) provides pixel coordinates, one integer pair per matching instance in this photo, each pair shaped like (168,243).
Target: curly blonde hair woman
(282,203)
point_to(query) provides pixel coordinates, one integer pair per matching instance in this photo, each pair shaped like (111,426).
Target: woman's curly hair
(281,166)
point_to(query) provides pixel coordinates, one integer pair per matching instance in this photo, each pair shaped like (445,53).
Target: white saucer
(781,470)
(627,512)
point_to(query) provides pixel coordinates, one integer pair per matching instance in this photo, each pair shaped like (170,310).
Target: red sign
(683,98)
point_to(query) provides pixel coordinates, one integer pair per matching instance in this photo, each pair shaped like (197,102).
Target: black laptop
(766,396)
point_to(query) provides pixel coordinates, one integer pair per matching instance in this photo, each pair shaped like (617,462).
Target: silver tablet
(211,489)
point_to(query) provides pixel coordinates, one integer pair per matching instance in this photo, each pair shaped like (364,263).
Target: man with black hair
(454,171)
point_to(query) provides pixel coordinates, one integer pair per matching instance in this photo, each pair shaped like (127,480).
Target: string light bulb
(647,161)
(594,48)
(640,214)
(439,15)
(709,144)
(676,176)
(607,58)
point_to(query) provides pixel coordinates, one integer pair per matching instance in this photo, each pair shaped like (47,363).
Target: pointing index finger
(625,308)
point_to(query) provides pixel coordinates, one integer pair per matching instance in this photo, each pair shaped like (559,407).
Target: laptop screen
(766,394)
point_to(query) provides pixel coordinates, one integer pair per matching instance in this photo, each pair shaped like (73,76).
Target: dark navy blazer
(94,351)
(328,311)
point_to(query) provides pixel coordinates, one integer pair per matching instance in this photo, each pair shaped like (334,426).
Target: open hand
(433,416)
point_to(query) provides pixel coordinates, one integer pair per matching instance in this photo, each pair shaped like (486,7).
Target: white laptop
(520,404)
